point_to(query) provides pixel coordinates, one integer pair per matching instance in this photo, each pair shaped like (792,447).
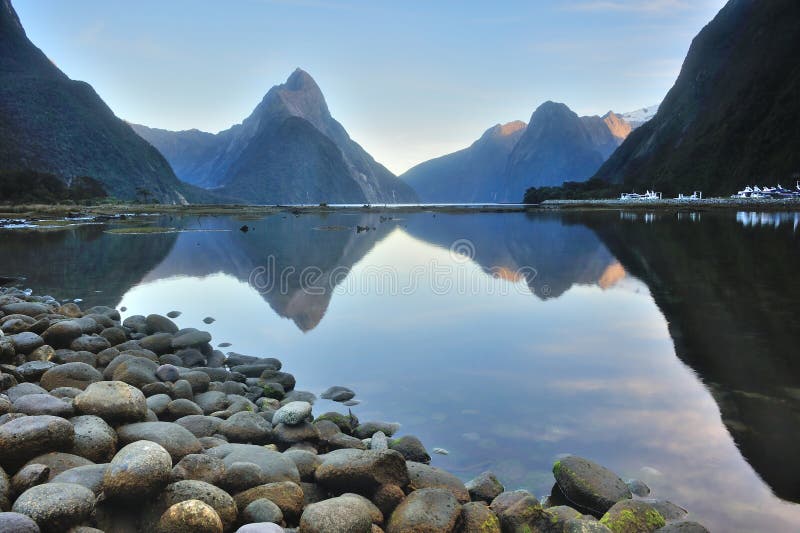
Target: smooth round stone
(29,476)
(65,392)
(241,476)
(486,487)
(138,470)
(17,523)
(338,394)
(160,324)
(61,334)
(136,371)
(589,485)
(290,435)
(425,510)
(174,314)
(246,427)
(477,517)
(168,373)
(113,401)
(362,471)
(367,429)
(31,309)
(43,404)
(94,438)
(262,510)
(26,342)
(159,343)
(200,425)
(158,403)
(176,439)
(200,467)
(56,506)
(190,515)
(218,499)
(24,438)
(337,515)
(424,476)
(285,494)
(18,391)
(632,516)
(182,407)
(34,370)
(212,401)
(306,463)
(299,396)
(638,487)
(191,339)
(683,526)
(260,527)
(411,448)
(59,462)
(667,509)
(292,413)
(90,476)
(89,343)
(114,335)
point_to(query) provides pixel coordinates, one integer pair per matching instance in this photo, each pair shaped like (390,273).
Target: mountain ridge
(54,125)
(730,119)
(555,146)
(245,156)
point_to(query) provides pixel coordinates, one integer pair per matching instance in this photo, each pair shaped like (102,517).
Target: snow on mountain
(640,116)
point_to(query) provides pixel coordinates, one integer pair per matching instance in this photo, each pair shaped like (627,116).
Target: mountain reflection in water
(561,349)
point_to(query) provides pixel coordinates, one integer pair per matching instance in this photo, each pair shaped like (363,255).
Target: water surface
(660,345)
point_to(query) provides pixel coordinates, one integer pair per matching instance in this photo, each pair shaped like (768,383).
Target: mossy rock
(632,516)
(588,485)
(346,423)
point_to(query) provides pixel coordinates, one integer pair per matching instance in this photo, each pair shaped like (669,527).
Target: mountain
(557,146)
(54,125)
(469,175)
(731,118)
(640,116)
(289,150)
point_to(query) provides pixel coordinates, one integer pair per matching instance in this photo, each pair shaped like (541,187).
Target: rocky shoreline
(136,425)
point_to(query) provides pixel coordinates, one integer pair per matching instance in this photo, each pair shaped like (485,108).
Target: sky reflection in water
(577,358)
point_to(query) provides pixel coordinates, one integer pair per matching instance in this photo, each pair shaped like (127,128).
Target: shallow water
(660,345)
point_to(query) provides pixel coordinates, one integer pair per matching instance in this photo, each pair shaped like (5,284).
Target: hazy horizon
(407,85)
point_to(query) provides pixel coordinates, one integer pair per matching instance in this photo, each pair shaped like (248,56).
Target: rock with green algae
(589,485)
(519,511)
(632,516)
(476,517)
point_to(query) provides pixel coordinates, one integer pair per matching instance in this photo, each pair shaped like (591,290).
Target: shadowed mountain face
(289,150)
(557,146)
(49,123)
(731,118)
(469,175)
(730,298)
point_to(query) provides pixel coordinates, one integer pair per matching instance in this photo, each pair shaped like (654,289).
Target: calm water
(663,346)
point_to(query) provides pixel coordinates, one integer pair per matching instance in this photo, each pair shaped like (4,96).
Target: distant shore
(65,210)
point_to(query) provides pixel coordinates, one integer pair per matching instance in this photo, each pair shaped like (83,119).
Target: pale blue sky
(409,80)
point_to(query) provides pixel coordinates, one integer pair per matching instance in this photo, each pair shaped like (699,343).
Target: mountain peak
(300,80)
(504,130)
